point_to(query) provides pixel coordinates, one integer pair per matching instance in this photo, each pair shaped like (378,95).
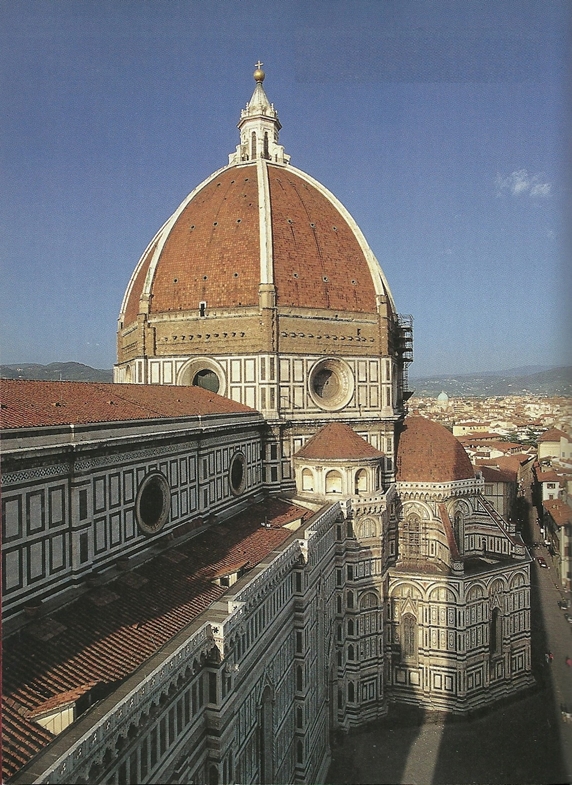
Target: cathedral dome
(257,225)
(210,250)
(428,452)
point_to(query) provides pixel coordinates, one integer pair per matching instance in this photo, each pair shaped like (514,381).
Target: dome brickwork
(318,261)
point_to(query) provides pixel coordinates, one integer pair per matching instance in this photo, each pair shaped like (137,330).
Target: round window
(207,379)
(237,473)
(203,372)
(331,384)
(152,503)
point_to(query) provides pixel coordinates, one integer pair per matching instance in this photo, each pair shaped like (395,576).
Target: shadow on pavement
(377,753)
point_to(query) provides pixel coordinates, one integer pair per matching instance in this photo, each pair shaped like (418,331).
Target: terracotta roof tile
(28,404)
(103,644)
(492,474)
(428,452)
(548,476)
(337,441)
(553,435)
(560,511)
(511,463)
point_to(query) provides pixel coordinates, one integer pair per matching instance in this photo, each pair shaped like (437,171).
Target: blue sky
(443,126)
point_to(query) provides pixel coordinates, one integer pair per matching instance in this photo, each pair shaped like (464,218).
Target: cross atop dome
(259,127)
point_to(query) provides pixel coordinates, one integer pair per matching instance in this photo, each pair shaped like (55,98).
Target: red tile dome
(257,225)
(428,452)
(210,250)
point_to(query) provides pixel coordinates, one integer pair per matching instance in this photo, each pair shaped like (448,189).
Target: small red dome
(428,452)
(337,441)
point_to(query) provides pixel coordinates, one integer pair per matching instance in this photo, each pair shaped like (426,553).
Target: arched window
(299,752)
(458,529)
(367,528)
(368,600)
(411,540)
(350,599)
(266,737)
(495,632)
(307,480)
(253,145)
(266,155)
(408,635)
(360,482)
(350,627)
(351,692)
(333,482)
(350,652)
(340,663)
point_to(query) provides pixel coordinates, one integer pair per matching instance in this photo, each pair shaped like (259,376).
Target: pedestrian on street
(569,662)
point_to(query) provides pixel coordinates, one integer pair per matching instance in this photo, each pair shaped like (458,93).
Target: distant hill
(65,372)
(553,381)
(517,381)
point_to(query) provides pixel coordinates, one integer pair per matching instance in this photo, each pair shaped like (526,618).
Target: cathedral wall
(240,696)
(75,508)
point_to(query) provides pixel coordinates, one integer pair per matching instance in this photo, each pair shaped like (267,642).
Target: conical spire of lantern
(259,127)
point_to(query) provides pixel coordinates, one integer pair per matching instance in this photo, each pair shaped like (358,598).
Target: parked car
(568,618)
(563,604)
(542,562)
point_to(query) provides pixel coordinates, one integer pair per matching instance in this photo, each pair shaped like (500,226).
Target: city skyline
(441,128)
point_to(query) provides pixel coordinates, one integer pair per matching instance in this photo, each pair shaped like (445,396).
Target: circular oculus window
(207,379)
(237,473)
(203,372)
(331,384)
(152,503)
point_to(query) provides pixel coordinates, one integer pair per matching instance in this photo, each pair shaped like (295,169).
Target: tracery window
(458,530)
(408,635)
(495,632)
(411,540)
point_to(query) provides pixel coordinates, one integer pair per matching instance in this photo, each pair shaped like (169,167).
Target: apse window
(152,503)
(237,473)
